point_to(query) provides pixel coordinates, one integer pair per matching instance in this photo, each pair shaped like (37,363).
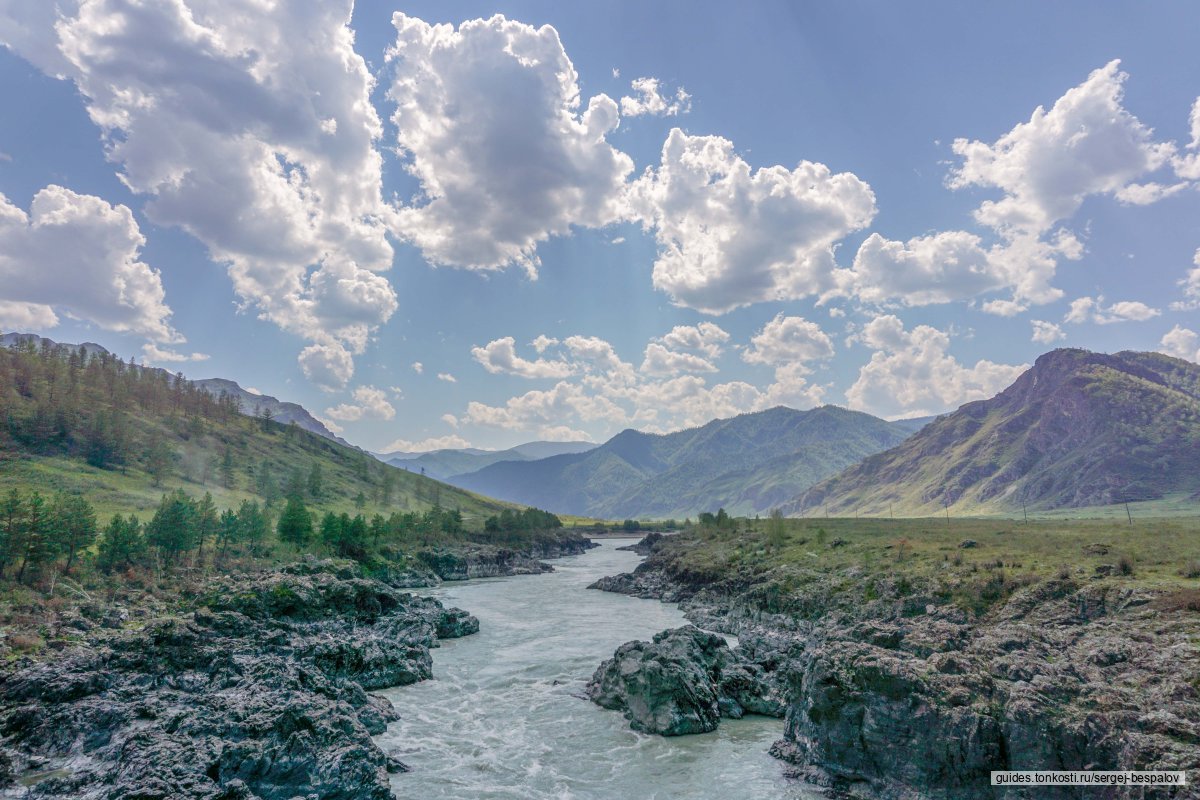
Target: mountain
(15,339)
(123,435)
(442,464)
(746,464)
(281,411)
(1076,429)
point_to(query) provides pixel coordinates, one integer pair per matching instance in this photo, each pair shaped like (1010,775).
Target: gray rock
(682,682)
(261,694)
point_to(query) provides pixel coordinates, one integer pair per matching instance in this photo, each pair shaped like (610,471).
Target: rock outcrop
(682,682)
(262,692)
(913,697)
(645,545)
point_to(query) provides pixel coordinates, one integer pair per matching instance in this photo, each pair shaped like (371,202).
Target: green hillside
(1078,429)
(123,435)
(746,464)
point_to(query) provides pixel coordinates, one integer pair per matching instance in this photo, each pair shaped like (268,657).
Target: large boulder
(682,682)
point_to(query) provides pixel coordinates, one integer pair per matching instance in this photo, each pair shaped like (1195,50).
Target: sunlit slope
(1077,429)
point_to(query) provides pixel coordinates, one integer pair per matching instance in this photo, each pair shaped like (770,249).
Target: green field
(804,565)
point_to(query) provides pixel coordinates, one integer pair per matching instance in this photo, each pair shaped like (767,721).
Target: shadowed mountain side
(442,464)
(746,464)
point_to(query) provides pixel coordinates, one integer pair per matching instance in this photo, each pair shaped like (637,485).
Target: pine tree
(122,544)
(171,529)
(206,524)
(12,529)
(36,546)
(72,526)
(252,525)
(227,474)
(158,459)
(295,524)
(316,481)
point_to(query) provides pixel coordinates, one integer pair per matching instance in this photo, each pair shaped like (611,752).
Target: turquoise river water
(504,716)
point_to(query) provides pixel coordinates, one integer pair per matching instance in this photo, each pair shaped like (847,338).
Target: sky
(454,224)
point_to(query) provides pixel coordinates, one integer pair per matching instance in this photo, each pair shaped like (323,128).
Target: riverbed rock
(667,686)
(645,545)
(681,682)
(908,696)
(261,693)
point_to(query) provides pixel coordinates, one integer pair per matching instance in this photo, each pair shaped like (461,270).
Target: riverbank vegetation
(125,486)
(808,565)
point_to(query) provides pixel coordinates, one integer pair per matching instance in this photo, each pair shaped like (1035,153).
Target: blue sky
(260,196)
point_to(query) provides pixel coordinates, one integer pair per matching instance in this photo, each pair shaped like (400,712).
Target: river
(504,716)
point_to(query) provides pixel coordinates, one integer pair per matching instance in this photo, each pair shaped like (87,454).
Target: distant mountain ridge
(1076,429)
(282,411)
(746,464)
(442,464)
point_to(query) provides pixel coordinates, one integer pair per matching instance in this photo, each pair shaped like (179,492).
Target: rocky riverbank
(462,562)
(261,692)
(897,691)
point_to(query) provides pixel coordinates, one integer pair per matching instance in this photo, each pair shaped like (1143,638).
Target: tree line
(40,535)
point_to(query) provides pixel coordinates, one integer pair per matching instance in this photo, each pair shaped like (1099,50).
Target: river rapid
(505,715)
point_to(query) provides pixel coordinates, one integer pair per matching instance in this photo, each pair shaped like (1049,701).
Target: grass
(346,473)
(815,561)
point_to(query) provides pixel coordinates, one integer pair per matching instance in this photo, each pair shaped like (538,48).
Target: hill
(254,404)
(1076,429)
(746,464)
(442,464)
(80,420)
(250,403)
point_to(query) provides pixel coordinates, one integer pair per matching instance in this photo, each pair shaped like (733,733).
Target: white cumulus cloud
(648,99)
(1086,144)
(369,403)
(788,340)
(80,255)
(1092,309)
(1182,343)
(1191,288)
(1046,332)
(250,126)
(500,357)
(493,126)
(449,442)
(730,236)
(685,348)
(152,354)
(912,373)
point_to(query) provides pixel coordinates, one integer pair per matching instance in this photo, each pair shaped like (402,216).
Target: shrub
(26,642)
(1125,565)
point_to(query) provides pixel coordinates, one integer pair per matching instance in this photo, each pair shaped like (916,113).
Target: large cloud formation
(250,126)
(911,372)
(730,236)
(489,116)
(80,255)
(1086,144)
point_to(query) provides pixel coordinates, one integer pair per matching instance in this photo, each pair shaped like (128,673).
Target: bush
(1191,570)
(1125,565)
(25,642)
